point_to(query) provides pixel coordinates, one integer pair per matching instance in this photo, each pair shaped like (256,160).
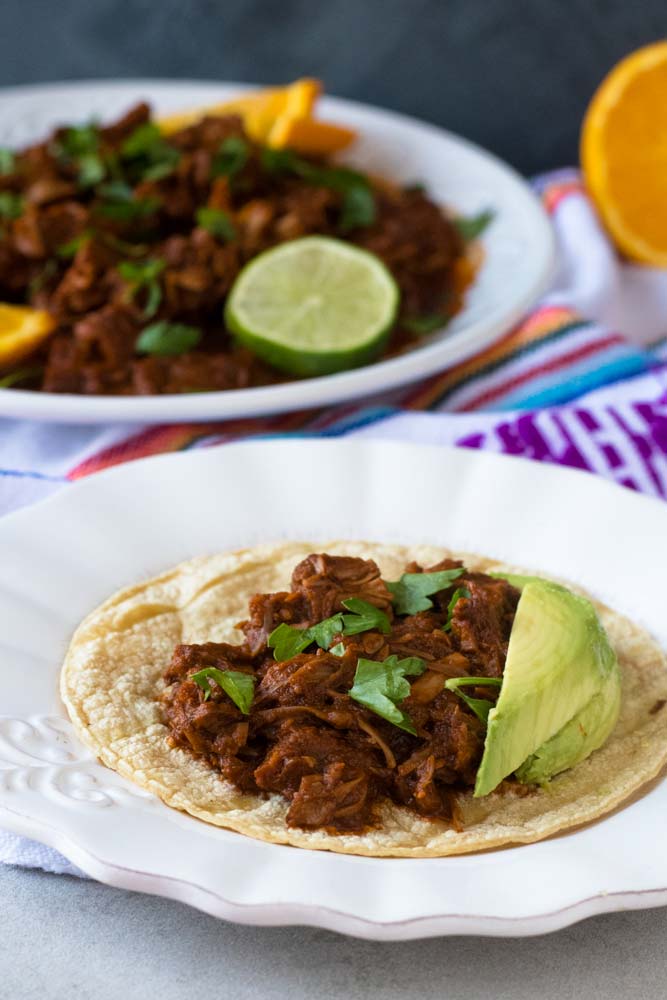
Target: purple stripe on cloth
(535,441)
(642,446)
(587,420)
(612,456)
(572,455)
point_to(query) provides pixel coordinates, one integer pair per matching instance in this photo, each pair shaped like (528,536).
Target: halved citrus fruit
(624,153)
(313,306)
(22,329)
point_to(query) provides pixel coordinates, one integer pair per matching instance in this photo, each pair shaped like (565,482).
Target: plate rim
(383,375)
(282,913)
(324,917)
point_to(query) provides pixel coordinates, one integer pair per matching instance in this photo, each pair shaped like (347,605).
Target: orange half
(624,154)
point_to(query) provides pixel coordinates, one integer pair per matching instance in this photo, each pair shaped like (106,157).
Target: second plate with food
(515,263)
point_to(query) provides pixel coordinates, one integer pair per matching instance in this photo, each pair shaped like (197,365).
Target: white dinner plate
(65,555)
(517,263)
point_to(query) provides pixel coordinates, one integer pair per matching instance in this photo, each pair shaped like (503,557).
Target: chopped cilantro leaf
(7,161)
(472,226)
(456,597)
(411,592)
(117,190)
(422,325)
(480,706)
(147,154)
(141,140)
(80,147)
(338,649)
(231,157)
(167,338)
(279,161)
(358,208)
(119,202)
(67,250)
(11,205)
(20,375)
(144,275)
(78,140)
(287,641)
(217,223)
(324,632)
(365,616)
(91,169)
(239,686)
(122,246)
(380,686)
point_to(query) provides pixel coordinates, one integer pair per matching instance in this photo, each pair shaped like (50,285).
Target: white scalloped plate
(517,264)
(64,556)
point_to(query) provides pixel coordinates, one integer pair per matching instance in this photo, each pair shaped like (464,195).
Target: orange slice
(301,97)
(259,109)
(22,329)
(624,154)
(307,135)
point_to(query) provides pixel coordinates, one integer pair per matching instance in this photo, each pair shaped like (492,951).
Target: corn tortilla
(112,678)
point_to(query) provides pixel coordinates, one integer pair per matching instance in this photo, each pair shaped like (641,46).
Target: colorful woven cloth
(582,381)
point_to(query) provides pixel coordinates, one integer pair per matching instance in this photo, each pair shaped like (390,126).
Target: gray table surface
(61,937)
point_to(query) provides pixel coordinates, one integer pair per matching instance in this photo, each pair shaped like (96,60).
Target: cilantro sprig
(167,339)
(358,207)
(239,686)
(231,157)
(411,592)
(7,161)
(459,594)
(20,375)
(144,276)
(472,226)
(288,641)
(11,205)
(381,686)
(80,147)
(421,325)
(68,250)
(480,706)
(216,222)
(147,155)
(120,203)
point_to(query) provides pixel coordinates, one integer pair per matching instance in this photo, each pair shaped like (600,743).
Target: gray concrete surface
(65,939)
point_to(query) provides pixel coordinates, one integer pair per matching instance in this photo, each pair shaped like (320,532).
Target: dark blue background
(514,75)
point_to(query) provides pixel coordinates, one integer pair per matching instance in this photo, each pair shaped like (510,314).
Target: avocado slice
(561,688)
(578,738)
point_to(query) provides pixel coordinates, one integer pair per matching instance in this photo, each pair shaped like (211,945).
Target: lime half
(313,306)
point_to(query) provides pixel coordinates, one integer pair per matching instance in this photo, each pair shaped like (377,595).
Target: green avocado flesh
(560,696)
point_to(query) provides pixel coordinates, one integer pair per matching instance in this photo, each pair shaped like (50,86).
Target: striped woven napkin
(581,381)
